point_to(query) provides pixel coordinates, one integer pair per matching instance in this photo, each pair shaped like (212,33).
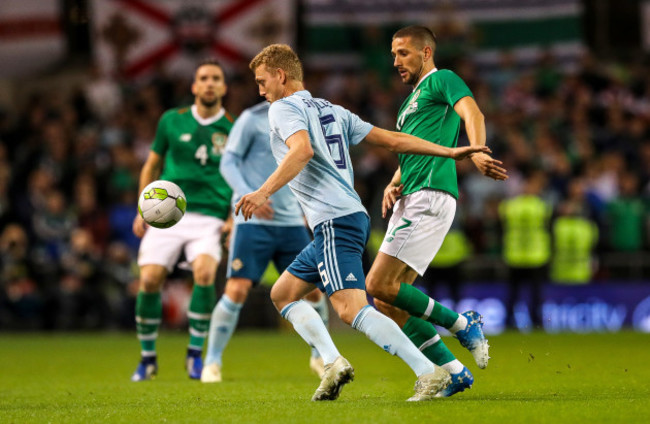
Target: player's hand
(249,203)
(391,194)
(460,153)
(139,226)
(490,167)
(265,211)
(226,232)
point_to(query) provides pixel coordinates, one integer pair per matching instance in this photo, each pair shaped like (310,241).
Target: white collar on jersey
(207,121)
(424,77)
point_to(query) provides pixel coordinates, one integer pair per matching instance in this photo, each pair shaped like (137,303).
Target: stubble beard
(415,76)
(208,103)
(412,80)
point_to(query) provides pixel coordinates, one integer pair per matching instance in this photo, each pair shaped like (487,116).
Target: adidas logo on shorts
(350,277)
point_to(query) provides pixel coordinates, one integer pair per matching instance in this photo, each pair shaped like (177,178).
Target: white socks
(311,328)
(386,334)
(223,323)
(453,367)
(460,324)
(322,308)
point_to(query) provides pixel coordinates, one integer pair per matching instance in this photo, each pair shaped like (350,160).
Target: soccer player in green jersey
(423,195)
(187,150)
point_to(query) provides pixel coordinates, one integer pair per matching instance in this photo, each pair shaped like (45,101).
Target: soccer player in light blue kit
(276,232)
(310,139)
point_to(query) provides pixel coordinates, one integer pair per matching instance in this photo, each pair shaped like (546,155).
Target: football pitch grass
(84,378)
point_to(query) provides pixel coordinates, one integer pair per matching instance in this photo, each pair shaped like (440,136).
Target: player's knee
(151,283)
(348,310)
(347,315)
(278,297)
(282,295)
(204,276)
(374,285)
(237,289)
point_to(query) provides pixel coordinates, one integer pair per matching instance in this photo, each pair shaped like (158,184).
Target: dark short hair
(209,61)
(419,33)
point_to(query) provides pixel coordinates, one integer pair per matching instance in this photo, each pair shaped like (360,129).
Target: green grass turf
(531,378)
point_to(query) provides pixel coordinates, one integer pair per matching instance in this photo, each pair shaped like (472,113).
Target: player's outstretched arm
(474,120)
(406,143)
(299,154)
(150,172)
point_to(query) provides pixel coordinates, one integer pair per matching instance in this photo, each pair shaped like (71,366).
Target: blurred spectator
(547,75)
(120,271)
(526,245)
(574,240)
(626,217)
(20,302)
(53,223)
(6,210)
(91,216)
(504,75)
(576,202)
(80,295)
(103,94)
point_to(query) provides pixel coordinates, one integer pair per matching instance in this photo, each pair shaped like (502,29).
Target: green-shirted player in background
(423,195)
(187,150)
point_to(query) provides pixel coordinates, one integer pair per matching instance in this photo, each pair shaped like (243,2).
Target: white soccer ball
(162,204)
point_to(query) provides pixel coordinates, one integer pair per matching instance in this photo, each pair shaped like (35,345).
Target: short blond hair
(279,56)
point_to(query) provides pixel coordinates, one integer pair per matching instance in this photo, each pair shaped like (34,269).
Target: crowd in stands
(70,162)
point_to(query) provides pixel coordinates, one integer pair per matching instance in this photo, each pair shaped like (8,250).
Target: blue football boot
(473,339)
(459,382)
(147,369)
(194,364)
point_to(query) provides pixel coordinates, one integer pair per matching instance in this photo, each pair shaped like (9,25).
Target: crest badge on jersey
(218,143)
(185,138)
(237,264)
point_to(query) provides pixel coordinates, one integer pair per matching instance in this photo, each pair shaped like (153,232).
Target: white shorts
(196,234)
(418,227)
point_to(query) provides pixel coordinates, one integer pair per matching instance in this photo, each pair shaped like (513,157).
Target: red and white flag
(31,37)
(132,37)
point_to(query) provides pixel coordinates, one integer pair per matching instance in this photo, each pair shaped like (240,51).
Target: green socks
(422,306)
(200,311)
(426,338)
(148,313)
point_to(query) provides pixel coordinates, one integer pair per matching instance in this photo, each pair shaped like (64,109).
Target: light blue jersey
(325,187)
(248,162)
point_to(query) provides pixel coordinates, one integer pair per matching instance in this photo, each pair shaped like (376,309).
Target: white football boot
(336,375)
(428,385)
(211,373)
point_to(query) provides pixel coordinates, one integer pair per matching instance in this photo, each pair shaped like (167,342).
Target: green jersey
(192,149)
(429,113)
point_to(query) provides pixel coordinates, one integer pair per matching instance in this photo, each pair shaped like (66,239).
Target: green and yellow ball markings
(156,193)
(181,203)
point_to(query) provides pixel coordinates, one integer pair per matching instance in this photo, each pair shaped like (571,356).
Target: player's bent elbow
(300,148)
(308,154)
(305,155)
